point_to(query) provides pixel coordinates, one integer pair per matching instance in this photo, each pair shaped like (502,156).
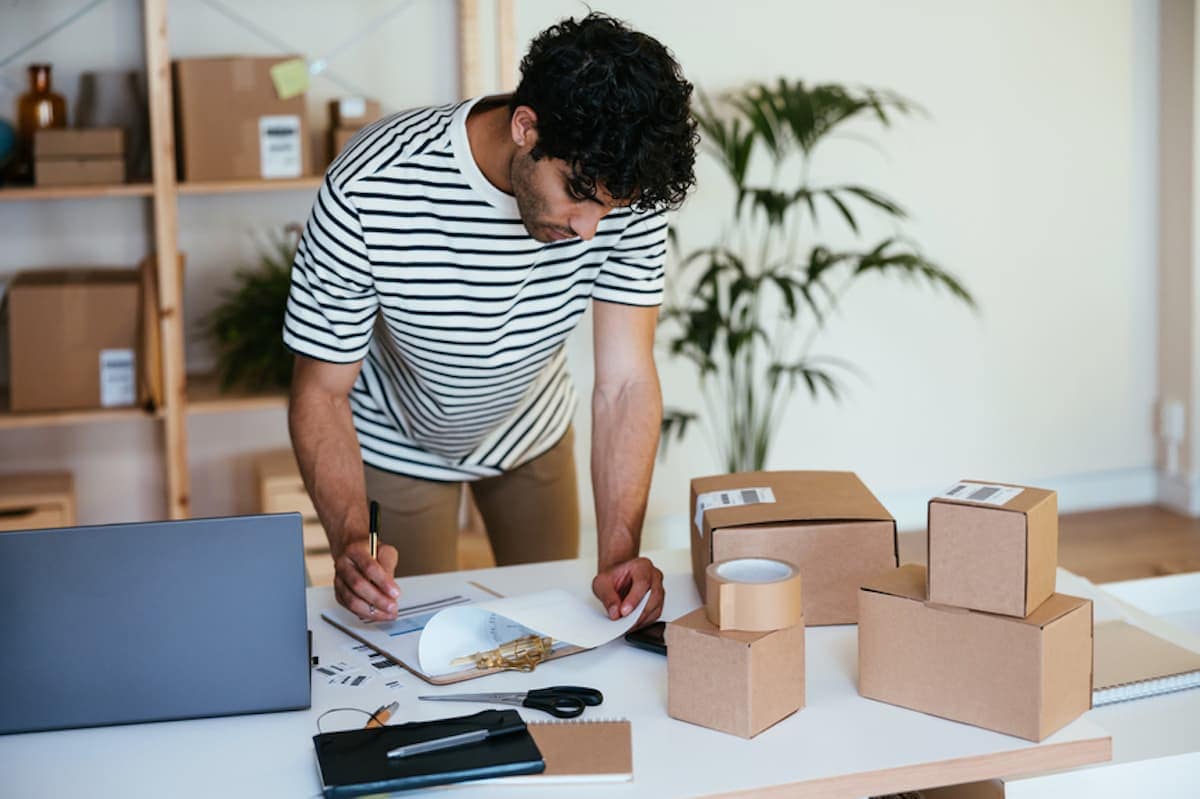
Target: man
(449,253)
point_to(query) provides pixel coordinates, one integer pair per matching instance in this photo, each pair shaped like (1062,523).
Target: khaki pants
(531,513)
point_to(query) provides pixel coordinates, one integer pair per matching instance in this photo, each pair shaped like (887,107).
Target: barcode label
(118,378)
(980,492)
(729,498)
(280,148)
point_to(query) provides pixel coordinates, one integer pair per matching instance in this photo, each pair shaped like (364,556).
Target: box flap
(1027,500)
(908,581)
(1057,606)
(799,496)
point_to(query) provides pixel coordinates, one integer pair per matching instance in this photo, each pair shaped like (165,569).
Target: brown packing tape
(753,594)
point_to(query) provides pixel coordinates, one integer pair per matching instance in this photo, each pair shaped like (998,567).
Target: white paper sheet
(436,626)
(466,629)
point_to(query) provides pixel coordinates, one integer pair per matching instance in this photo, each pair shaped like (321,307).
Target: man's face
(549,209)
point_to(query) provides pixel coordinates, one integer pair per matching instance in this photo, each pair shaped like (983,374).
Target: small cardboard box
(338,139)
(232,125)
(735,682)
(78,171)
(79,143)
(36,501)
(827,523)
(353,112)
(993,547)
(1026,677)
(73,339)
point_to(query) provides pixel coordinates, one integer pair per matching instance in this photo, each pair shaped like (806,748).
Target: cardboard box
(73,339)
(231,125)
(338,139)
(79,143)
(36,501)
(999,558)
(78,171)
(353,112)
(827,523)
(1026,677)
(735,682)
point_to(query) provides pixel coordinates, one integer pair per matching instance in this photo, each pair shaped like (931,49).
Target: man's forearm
(326,448)
(625,430)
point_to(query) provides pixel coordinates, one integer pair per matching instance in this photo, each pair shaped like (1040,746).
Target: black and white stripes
(415,264)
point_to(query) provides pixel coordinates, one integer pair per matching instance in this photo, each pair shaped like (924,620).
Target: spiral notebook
(1132,663)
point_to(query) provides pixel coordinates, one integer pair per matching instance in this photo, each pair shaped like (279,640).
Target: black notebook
(355,762)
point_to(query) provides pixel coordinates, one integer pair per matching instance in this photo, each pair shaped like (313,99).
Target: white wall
(1028,181)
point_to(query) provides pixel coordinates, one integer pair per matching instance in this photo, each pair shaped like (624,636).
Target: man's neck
(490,136)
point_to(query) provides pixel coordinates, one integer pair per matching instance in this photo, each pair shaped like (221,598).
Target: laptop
(129,623)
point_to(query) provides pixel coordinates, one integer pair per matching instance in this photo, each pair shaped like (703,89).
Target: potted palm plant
(747,310)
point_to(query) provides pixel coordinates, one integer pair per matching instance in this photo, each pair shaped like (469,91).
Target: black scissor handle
(562,701)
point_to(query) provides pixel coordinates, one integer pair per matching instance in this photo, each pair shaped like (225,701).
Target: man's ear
(524,127)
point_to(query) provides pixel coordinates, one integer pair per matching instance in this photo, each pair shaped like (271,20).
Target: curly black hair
(612,103)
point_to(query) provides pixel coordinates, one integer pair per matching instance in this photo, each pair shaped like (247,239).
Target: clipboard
(404,655)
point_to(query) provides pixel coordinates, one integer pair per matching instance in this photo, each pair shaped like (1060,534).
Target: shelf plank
(308,182)
(22,193)
(205,396)
(10,420)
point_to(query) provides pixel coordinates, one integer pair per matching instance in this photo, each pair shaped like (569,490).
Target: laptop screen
(126,623)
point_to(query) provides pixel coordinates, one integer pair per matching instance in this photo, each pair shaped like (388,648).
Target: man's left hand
(621,587)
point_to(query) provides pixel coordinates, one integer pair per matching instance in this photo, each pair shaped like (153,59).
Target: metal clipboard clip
(520,654)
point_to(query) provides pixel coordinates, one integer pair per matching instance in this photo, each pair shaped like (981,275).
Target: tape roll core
(753,594)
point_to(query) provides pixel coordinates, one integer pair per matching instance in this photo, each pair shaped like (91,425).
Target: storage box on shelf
(36,501)
(281,490)
(79,156)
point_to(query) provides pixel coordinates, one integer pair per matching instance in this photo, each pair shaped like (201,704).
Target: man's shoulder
(405,136)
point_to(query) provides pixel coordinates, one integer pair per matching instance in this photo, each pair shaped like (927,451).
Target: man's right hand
(364,585)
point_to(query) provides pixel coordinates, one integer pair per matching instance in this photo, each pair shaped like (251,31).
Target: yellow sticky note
(290,77)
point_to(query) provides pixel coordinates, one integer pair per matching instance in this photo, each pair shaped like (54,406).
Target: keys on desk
(560,701)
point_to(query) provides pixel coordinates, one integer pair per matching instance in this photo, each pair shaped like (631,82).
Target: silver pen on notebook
(448,742)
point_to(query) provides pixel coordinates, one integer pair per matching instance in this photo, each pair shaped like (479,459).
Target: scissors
(560,701)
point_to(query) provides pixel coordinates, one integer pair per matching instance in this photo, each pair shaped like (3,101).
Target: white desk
(840,745)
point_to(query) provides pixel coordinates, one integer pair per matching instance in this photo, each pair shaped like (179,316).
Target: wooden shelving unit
(184,395)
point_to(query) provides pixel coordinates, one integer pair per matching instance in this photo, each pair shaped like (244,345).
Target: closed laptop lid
(125,623)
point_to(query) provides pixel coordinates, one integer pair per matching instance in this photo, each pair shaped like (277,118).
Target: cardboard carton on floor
(993,547)
(1027,677)
(736,682)
(827,523)
(232,125)
(73,339)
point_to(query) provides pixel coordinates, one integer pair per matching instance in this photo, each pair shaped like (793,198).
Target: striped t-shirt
(415,264)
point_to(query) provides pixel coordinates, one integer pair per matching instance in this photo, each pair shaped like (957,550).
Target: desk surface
(839,745)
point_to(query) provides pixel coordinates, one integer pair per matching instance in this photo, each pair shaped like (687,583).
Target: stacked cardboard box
(347,116)
(827,523)
(740,669)
(78,156)
(981,637)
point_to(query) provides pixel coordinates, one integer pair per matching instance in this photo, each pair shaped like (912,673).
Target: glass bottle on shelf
(40,107)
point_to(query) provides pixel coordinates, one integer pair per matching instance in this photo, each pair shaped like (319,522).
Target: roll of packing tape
(753,594)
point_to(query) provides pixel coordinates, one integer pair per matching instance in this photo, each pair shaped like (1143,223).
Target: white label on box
(118,378)
(279,146)
(980,492)
(728,498)
(352,107)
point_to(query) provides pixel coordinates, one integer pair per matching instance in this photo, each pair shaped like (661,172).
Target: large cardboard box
(732,681)
(73,339)
(1026,677)
(231,124)
(993,547)
(827,523)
